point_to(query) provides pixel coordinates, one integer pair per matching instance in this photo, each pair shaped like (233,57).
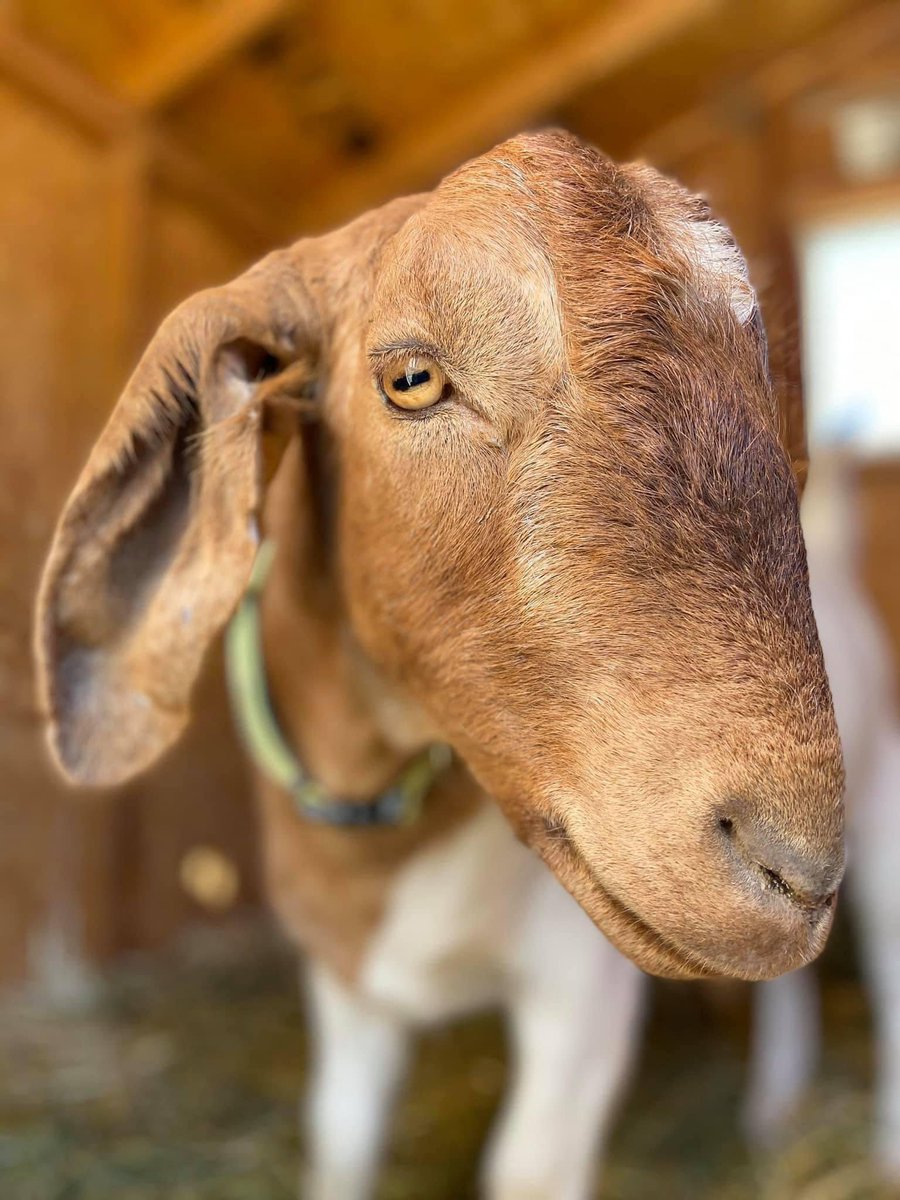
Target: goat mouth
(616,920)
(651,950)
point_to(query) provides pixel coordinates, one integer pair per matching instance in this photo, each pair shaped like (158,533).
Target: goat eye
(414,384)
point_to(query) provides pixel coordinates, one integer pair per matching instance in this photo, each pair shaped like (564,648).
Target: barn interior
(154,148)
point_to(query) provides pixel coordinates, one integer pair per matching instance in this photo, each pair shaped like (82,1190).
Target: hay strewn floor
(183,1085)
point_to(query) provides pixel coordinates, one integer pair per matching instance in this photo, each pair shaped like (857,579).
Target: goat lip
(651,950)
(629,932)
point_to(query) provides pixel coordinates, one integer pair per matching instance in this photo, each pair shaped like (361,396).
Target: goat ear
(158,538)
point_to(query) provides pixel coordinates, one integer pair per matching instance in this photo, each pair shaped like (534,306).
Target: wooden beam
(53,82)
(819,204)
(781,298)
(853,40)
(259,228)
(523,90)
(128,167)
(76,97)
(206,41)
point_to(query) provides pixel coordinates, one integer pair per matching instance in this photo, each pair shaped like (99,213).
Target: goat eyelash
(379,355)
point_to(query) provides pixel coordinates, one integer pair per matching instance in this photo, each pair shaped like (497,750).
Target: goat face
(564,525)
(583,551)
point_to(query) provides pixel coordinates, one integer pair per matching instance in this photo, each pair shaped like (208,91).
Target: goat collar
(399,804)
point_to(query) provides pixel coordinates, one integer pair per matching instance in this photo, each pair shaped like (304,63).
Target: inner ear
(283,392)
(151,555)
(165,518)
(132,514)
(244,362)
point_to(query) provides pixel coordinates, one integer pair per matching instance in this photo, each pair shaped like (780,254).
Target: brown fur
(585,571)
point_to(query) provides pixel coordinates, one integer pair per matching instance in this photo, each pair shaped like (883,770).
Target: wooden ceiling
(714,62)
(308,111)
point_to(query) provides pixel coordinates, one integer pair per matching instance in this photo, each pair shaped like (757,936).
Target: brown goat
(541,514)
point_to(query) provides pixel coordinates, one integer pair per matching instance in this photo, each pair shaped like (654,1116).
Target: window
(851,305)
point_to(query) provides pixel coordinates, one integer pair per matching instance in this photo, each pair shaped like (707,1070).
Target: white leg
(784,1052)
(575,1022)
(875,885)
(884,976)
(360,1055)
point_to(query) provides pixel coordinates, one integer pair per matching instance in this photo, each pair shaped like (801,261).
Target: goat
(528,501)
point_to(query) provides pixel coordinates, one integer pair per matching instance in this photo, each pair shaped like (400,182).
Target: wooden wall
(880,487)
(51,347)
(94,249)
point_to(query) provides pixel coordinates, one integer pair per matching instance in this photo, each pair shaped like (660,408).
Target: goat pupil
(412,379)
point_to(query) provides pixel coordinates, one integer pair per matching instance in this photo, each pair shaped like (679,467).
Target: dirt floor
(182,1081)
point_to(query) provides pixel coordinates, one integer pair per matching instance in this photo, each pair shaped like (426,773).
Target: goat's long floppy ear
(158,538)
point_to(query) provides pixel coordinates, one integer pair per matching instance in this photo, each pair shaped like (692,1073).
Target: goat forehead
(612,236)
(692,235)
(578,202)
(482,293)
(544,259)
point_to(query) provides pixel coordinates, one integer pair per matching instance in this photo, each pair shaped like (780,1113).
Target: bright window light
(851,329)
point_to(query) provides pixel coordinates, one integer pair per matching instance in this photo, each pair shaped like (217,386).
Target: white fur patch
(453,918)
(720,266)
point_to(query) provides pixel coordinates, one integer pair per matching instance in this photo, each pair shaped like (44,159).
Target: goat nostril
(804,880)
(775,882)
(804,900)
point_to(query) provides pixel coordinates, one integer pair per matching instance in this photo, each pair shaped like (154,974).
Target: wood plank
(878,481)
(49,79)
(207,41)
(780,296)
(74,96)
(259,228)
(709,58)
(93,251)
(54,887)
(514,96)
(839,200)
(848,43)
(128,204)
(851,43)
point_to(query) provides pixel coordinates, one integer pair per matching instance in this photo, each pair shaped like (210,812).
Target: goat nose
(806,877)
